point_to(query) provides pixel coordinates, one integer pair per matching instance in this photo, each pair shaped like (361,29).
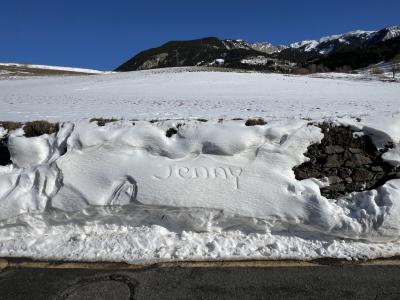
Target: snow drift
(245,173)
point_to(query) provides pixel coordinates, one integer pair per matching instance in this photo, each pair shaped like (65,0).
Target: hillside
(343,52)
(8,70)
(209,51)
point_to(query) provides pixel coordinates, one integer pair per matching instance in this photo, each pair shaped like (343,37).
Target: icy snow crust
(215,190)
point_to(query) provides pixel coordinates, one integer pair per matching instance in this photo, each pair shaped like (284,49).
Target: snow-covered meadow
(213,190)
(186,93)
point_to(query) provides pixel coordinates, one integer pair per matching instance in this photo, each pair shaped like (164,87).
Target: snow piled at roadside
(127,192)
(149,244)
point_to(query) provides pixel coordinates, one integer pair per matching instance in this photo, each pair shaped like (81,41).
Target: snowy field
(173,94)
(12,70)
(213,190)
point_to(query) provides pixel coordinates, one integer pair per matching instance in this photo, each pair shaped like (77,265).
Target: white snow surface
(185,93)
(214,190)
(58,68)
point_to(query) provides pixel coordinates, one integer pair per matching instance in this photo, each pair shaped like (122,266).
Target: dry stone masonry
(351,162)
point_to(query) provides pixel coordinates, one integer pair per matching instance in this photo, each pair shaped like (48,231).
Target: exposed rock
(170,132)
(358,160)
(345,172)
(335,179)
(351,162)
(348,180)
(377,169)
(255,121)
(361,175)
(334,161)
(103,121)
(202,120)
(4,152)
(334,149)
(355,150)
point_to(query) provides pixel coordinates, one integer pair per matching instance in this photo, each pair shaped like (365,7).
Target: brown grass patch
(38,128)
(9,125)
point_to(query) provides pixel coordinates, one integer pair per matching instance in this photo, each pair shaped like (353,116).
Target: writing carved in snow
(201,173)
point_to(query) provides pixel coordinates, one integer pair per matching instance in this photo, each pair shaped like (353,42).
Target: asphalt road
(211,282)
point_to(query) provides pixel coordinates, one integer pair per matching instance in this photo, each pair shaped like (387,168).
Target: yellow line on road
(25,263)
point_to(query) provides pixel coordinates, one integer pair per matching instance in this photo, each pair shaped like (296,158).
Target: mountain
(353,39)
(345,52)
(209,51)
(261,47)
(352,50)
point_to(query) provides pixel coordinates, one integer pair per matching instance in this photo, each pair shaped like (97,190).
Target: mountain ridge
(373,46)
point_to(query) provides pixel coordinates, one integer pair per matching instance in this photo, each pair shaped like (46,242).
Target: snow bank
(208,177)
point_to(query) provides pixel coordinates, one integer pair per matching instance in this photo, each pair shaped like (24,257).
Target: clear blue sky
(104,33)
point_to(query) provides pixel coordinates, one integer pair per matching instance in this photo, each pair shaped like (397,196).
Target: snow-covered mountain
(324,45)
(264,47)
(328,44)
(375,46)
(208,51)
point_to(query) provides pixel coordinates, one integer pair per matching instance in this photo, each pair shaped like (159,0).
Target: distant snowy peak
(391,32)
(236,44)
(328,44)
(261,47)
(324,45)
(268,47)
(306,45)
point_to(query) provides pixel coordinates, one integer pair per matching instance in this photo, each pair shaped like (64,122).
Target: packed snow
(214,190)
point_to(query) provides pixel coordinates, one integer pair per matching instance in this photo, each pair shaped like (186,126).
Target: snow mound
(246,172)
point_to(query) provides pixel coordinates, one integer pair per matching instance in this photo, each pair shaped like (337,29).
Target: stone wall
(351,162)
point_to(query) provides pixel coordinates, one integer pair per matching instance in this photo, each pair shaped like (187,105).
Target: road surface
(235,280)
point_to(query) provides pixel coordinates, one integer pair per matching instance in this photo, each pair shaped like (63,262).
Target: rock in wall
(350,161)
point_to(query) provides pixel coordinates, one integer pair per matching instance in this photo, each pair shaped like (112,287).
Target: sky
(103,34)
